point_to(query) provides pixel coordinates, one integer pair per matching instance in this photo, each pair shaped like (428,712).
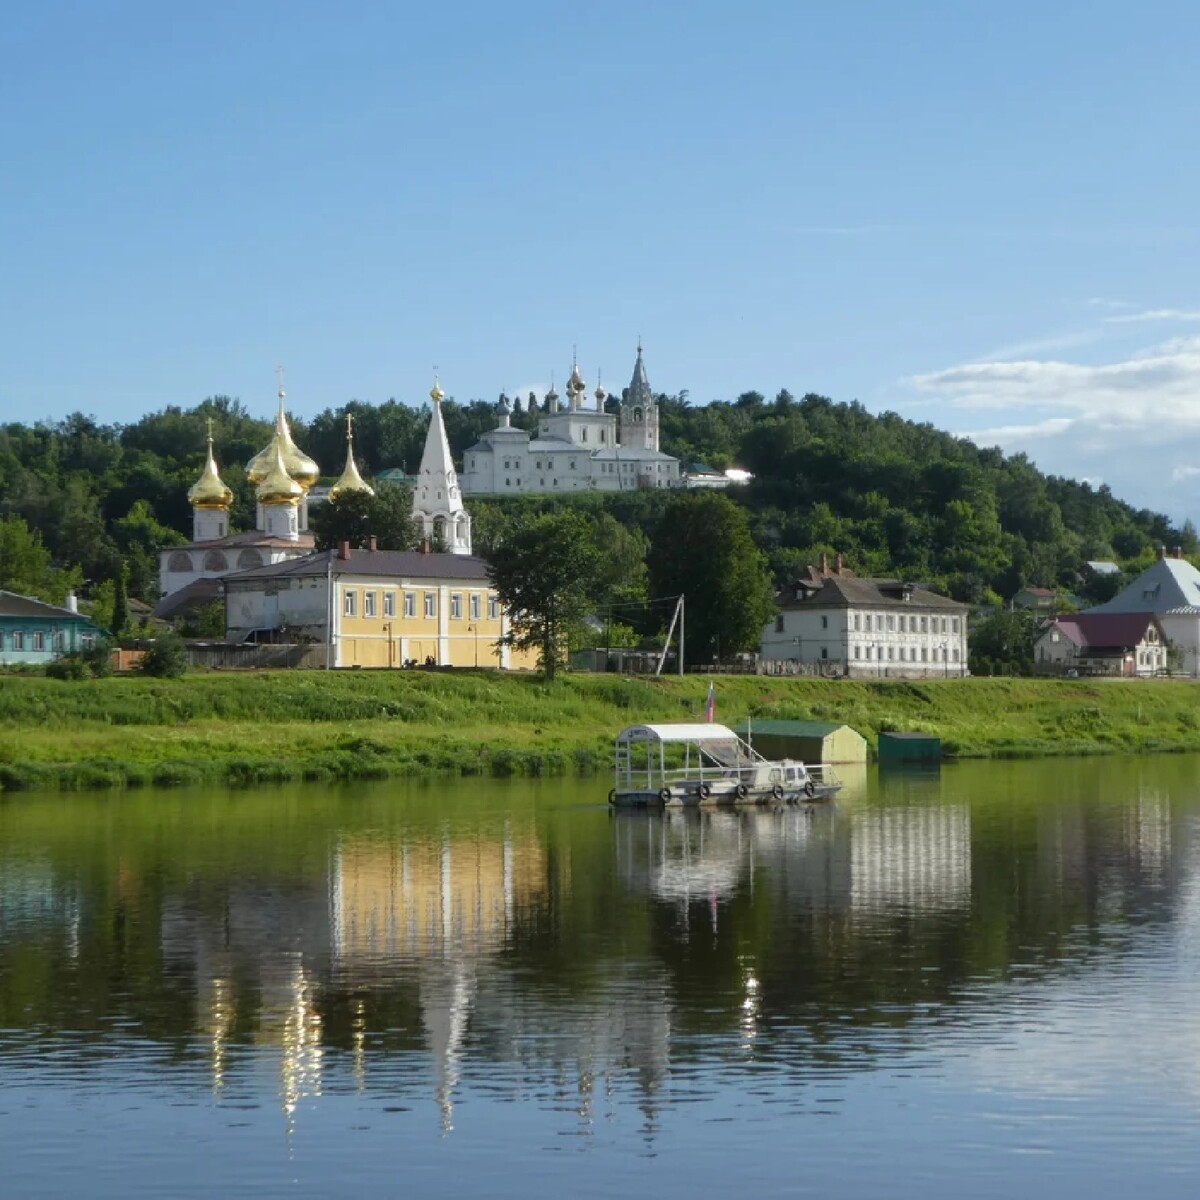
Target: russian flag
(710,704)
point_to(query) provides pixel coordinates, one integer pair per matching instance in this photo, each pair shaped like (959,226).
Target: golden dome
(350,480)
(208,491)
(277,486)
(298,465)
(575,383)
(435,393)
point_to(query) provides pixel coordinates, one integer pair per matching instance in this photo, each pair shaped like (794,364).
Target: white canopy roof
(698,732)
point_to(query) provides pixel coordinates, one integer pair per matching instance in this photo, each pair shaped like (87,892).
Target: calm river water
(983,982)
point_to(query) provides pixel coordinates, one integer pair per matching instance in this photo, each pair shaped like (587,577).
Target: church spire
(437,502)
(350,480)
(210,499)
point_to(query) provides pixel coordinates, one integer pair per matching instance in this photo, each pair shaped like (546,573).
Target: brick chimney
(838,564)
(824,563)
(343,550)
(372,544)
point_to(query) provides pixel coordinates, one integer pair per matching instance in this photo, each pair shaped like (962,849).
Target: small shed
(909,748)
(808,741)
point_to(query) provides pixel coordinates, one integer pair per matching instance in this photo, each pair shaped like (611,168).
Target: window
(954,624)
(857,622)
(456,606)
(824,651)
(60,641)
(39,640)
(867,623)
(88,641)
(858,652)
(891,623)
(924,653)
(350,604)
(889,654)
(410,604)
(493,608)
(180,563)
(18,639)
(779,623)
(572,460)
(214,560)
(431,604)
(824,622)
(924,624)
(368,604)
(476,606)
(389,604)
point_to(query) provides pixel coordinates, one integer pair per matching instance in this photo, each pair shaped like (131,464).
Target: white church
(577,448)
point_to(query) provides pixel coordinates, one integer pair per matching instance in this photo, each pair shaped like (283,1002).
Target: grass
(280,725)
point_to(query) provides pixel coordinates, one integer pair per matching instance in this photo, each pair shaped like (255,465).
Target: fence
(227,656)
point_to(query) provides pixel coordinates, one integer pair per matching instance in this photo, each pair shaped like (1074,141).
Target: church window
(410,604)
(476,606)
(637,416)
(214,560)
(39,640)
(389,604)
(456,606)
(493,608)
(349,604)
(824,621)
(180,563)
(603,436)
(431,604)
(249,559)
(583,434)
(368,604)
(572,464)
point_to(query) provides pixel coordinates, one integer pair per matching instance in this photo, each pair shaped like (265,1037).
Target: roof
(384,564)
(1105,631)
(809,729)
(698,732)
(1047,593)
(850,591)
(250,537)
(192,595)
(13,604)
(897,736)
(1102,567)
(1168,585)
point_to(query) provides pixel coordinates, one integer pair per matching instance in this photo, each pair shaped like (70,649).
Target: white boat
(708,765)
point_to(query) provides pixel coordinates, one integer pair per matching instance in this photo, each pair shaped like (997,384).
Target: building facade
(32,631)
(832,620)
(1095,643)
(376,608)
(577,448)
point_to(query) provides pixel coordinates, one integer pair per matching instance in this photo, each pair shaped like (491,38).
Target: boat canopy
(699,732)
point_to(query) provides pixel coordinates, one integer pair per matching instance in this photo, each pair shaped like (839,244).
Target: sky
(974,214)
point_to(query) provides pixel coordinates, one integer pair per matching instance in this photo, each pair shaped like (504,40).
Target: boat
(707,765)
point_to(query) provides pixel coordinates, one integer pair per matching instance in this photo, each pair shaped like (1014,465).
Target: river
(977,982)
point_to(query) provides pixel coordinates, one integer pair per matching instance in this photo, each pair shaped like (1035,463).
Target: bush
(98,658)
(165,657)
(69,666)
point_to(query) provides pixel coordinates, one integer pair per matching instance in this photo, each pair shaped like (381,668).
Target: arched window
(180,563)
(249,558)
(637,416)
(214,560)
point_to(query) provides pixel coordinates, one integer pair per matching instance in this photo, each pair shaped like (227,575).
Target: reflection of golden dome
(208,491)
(277,486)
(350,480)
(297,464)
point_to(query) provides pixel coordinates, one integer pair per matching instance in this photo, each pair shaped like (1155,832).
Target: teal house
(32,631)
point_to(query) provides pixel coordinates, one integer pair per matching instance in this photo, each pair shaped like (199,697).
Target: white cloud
(1153,314)
(1184,472)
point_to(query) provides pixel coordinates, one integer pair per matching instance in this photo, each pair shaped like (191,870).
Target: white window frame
(369,604)
(349,603)
(389,604)
(430,604)
(456,608)
(410,604)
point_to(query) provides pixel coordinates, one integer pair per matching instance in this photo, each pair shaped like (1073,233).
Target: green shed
(909,748)
(808,741)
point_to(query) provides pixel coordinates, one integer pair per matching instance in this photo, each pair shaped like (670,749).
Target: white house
(865,627)
(576,448)
(1170,589)
(1100,643)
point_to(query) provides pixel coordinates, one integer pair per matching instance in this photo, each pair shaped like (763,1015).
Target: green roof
(791,728)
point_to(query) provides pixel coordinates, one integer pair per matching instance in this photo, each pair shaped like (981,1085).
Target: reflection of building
(911,858)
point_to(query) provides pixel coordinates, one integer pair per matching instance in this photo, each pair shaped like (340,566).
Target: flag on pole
(710,704)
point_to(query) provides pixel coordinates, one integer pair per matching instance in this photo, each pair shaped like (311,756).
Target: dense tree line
(83,502)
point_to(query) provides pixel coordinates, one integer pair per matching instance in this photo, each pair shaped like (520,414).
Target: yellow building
(376,608)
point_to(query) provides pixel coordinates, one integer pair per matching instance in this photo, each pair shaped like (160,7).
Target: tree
(165,657)
(355,516)
(1004,642)
(703,549)
(25,564)
(546,572)
(120,609)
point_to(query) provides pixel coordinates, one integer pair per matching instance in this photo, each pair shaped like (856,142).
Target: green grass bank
(277,726)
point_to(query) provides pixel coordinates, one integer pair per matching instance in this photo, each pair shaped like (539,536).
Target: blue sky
(980,215)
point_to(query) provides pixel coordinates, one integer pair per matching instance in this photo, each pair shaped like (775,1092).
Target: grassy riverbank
(341,725)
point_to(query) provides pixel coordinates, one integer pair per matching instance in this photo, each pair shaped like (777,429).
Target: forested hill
(894,496)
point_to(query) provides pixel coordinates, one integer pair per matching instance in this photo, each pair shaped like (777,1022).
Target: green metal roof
(791,728)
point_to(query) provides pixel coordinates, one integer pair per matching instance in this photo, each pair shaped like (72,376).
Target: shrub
(165,657)
(69,666)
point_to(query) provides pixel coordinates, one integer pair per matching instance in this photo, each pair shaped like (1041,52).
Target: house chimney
(372,544)
(1177,551)
(1162,553)
(838,564)
(824,563)
(72,602)
(343,551)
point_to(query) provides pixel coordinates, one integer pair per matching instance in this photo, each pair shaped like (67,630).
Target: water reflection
(416,948)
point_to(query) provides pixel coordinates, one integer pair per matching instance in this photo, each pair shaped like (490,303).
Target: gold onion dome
(277,486)
(209,491)
(350,480)
(435,393)
(575,383)
(297,464)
